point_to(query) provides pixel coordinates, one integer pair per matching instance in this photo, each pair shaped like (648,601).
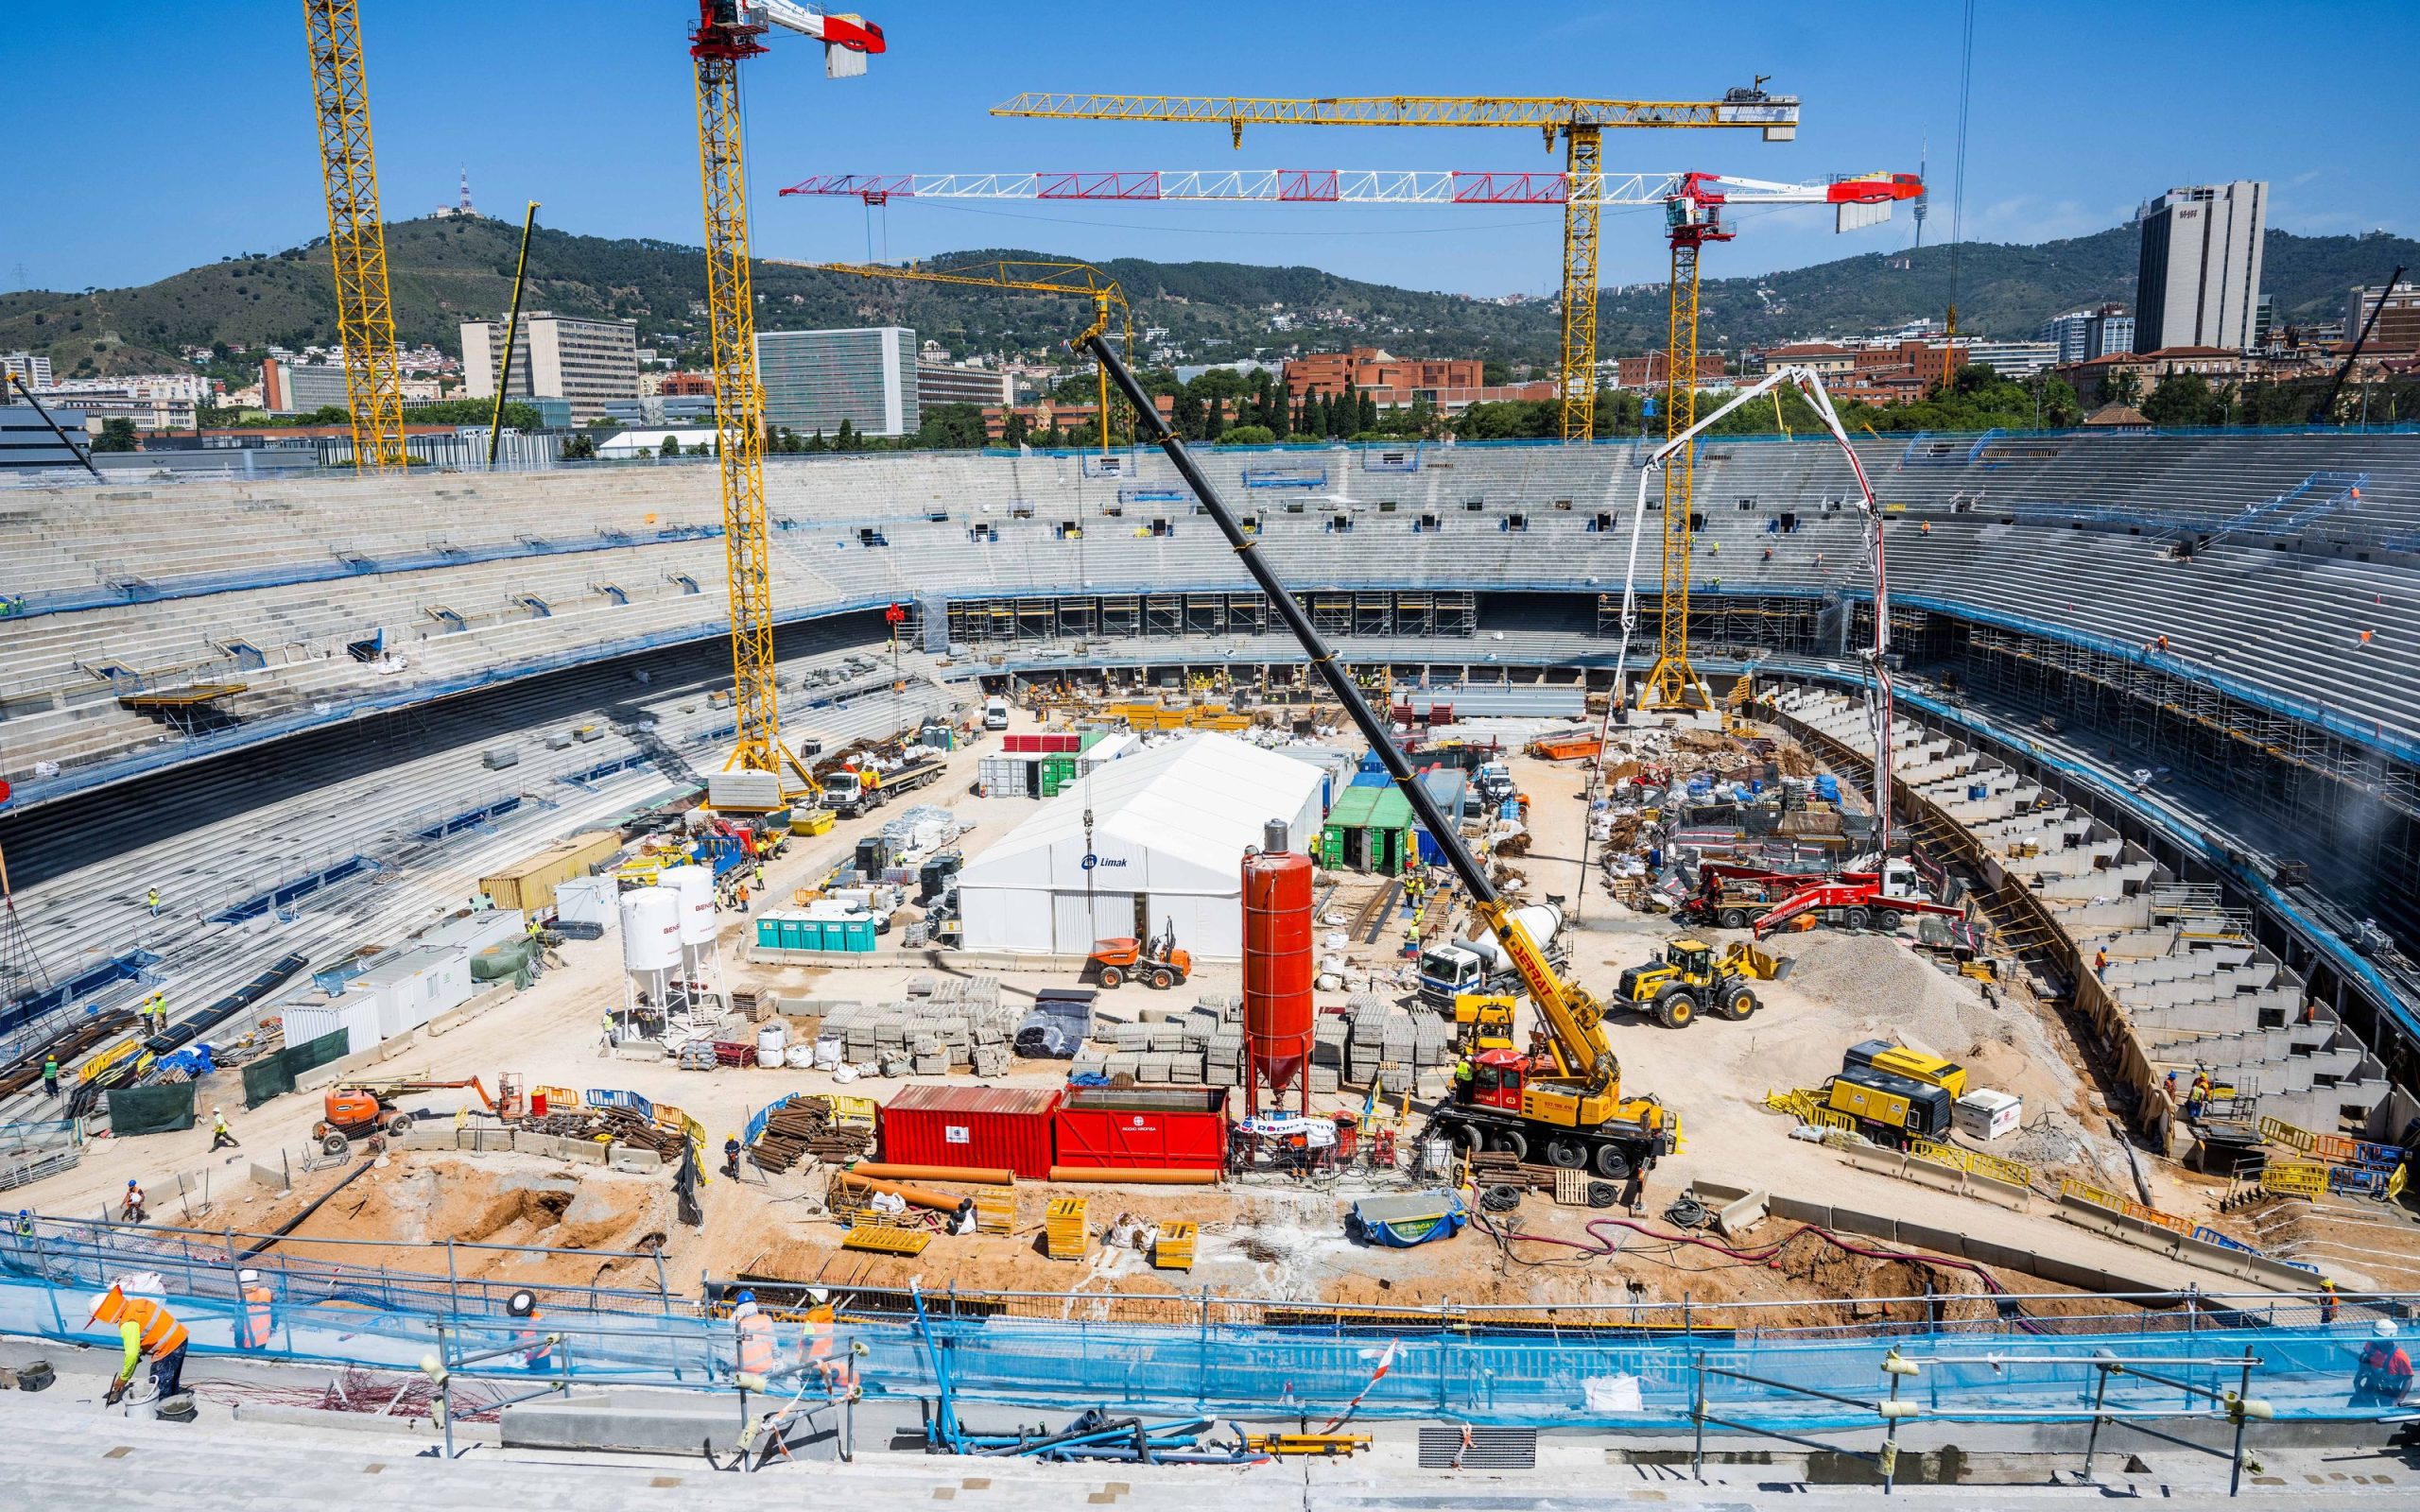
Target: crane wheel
(1857,919)
(333,1143)
(1112,978)
(1735,919)
(1510,1141)
(1612,1164)
(1569,1153)
(1739,1005)
(1887,921)
(1675,1010)
(1163,979)
(1469,1139)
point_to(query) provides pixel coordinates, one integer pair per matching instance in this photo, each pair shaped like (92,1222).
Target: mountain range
(445,271)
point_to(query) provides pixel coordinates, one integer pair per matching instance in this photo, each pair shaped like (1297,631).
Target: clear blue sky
(151,136)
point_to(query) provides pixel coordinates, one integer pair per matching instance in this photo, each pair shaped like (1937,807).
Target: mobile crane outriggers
(1568,1108)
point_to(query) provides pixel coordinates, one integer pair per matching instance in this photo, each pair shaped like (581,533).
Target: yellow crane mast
(357,238)
(1024,278)
(728,32)
(1581,124)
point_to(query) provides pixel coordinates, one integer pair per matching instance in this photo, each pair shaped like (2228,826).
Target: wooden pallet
(1065,1234)
(883,1240)
(1173,1248)
(1570,1189)
(995,1210)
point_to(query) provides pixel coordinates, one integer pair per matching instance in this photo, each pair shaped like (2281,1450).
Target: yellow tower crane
(728,32)
(357,238)
(1581,124)
(1024,278)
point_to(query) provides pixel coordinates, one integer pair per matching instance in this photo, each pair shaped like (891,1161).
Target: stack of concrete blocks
(958,1024)
(1388,1046)
(1329,1036)
(1222,1041)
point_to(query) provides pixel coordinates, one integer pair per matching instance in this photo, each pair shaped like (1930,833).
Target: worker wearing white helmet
(260,1311)
(221,1137)
(2383,1376)
(144,1327)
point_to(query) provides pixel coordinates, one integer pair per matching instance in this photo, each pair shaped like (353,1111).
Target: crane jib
(1356,708)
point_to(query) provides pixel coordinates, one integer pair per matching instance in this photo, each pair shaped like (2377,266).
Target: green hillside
(443,271)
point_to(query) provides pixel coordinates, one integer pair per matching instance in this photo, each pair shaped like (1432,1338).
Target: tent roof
(1202,798)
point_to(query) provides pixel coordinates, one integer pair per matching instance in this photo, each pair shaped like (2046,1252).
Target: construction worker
(760,876)
(145,1327)
(605,1046)
(2384,1375)
(731,1147)
(260,1311)
(2100,965)
(2326,1301)
(50,1075)
(221,1137)
(153,899)
(754,1350)
(1411,942)
(131,1207)
(538,1351)
(2198,1095)
(1463,1072)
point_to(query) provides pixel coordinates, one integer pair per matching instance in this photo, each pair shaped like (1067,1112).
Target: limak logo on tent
(1090,862)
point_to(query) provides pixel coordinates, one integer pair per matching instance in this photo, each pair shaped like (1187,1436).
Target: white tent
(1168,833)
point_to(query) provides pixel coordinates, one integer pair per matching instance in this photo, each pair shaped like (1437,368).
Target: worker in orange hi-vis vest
(753,1332)
(260,1311)
(145,1327)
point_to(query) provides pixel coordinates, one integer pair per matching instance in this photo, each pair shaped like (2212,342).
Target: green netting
(273,1075)
(150,1109)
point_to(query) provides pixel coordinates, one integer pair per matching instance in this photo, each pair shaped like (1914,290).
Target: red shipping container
(990,1127)
(1155,1128)
(1018,743)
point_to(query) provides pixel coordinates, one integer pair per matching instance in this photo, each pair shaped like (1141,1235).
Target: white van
(996,713)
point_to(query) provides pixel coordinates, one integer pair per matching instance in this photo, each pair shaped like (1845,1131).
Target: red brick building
(1649,371)
(688,382)
(1386,378)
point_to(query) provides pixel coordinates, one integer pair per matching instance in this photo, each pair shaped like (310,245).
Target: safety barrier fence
(1546,1379)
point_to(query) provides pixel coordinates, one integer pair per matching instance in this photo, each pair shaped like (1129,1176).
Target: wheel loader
(1692,978)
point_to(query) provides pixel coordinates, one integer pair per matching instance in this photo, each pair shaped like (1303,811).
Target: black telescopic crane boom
(1324,660)
(2325,413)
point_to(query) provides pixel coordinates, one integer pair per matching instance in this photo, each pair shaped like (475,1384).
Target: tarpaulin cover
(150,1109)
(494,964)
(273,1075)
(1413,1218)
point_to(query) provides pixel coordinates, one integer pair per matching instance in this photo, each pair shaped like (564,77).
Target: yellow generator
(1881,1055)
(1890,1107)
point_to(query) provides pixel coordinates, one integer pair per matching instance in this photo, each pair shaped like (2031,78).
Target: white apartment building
(588,363)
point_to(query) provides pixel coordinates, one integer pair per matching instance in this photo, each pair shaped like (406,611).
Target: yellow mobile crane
(373,382)
(728,32)
(1024,278)
(1581,124)
(1569,1110)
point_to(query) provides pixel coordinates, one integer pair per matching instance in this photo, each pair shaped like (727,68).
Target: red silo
(1278,966)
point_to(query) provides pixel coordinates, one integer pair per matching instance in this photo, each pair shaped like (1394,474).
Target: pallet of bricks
(1168,1047)
(806,1128)
(1387,1047)
(940,1025)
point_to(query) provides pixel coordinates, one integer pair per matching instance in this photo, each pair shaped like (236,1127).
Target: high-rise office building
(302,388)
(2199,282)
(2398,311)
(589,363)
(33,368)
(813,380)
(2083,334)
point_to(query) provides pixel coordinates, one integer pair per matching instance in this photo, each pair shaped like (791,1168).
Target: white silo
(652,949)
(693,887)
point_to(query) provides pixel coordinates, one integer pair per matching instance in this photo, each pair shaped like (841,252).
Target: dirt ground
(1260,1239)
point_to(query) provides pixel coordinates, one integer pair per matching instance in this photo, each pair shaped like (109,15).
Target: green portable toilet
(859,934)
(800,933)
(768,932)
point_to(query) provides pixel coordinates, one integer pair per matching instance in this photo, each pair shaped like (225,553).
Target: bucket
(177,1409)
(35,1375)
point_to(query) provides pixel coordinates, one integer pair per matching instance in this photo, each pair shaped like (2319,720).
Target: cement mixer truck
(1456,968)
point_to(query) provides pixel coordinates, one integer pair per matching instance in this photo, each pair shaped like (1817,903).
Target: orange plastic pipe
(882,1172)
(1136,1175)
(913,1197)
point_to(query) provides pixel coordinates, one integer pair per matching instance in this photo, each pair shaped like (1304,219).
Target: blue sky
(152,136)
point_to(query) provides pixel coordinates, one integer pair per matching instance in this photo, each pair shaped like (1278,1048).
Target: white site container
(1987,1114)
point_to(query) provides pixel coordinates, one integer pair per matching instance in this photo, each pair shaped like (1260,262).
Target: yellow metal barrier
(2070,1187)
(558,1098)
(2295,1180)
(1974,1162)
(2278,1132)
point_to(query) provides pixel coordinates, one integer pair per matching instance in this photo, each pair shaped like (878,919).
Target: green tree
(517,416)
(580,446)
(817,443)
(2184,398)
(1248,435)
(671,447)
(1495,374)
(2121,388)
(1367,419)
(951,427)
(2056,400)
(1015,428)
(845,439)
(1213,422)
(117,435)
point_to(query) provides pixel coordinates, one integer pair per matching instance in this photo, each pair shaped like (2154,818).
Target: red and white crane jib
(1314,186)
(729,28)
(1876,655)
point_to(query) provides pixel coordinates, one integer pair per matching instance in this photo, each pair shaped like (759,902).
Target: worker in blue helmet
(753,1339)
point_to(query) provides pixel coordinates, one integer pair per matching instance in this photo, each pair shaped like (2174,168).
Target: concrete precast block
(583,1152)
(429,1137)
(1743,1213)
(455,1018)
(1797,1209)
(1877,1225)
(1940,1241)
(270,1177)
(631,1158)
(2007,1193)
